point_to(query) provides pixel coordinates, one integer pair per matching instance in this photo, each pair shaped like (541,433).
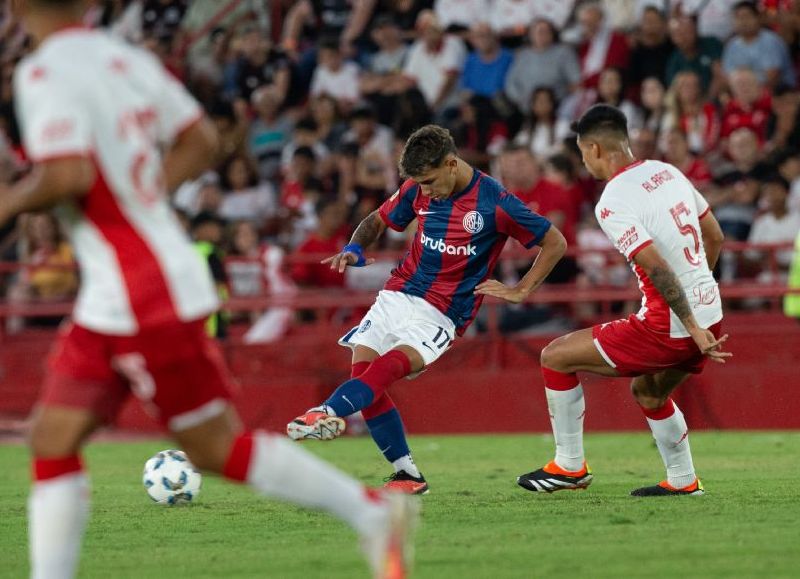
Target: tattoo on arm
(368,230)
(668,285)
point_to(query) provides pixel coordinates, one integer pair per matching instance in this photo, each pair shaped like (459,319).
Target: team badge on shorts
(473,222)
(365,325)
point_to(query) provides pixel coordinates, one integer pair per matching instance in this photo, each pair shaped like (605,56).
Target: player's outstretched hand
(492,287)
(710,346)
(341,260)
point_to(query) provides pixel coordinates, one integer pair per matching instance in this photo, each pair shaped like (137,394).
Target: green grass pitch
(476,522)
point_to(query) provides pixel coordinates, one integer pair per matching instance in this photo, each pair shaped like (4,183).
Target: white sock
(407,464)
(58,509)
(279,468)
(567,408)
(672,440)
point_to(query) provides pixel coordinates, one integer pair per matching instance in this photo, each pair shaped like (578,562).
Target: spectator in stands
(232,124)
(150,18)
(545,63)
(734,197)
(375,172)
(750,105)
(791,302)
(610,91)
(776,225)
(458,16)
(208,231)
(560,169)
(601,46)
(207,68)
(256,63)
(49,268)
(757,48)
(404,14)
(558,12)
(644,143)
(783,126)
(245,196)
(654,105)
(676,151)
(434,64)
(510,20)
(270,132)
(690,112)
(257,270)
(329,238)
(523,176)
(651,50)
(330,126)
(699,54)
(486,65)
(334,76)
(309,20)
(382,80)
(787,162)
(305,134)
(542,131)
(478,132)
(714,18)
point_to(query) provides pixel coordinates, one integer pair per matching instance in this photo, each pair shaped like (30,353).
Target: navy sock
(388,433)
(350,397)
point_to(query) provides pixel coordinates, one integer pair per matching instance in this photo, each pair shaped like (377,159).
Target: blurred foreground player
(664,227)
(94,113)
(464,218)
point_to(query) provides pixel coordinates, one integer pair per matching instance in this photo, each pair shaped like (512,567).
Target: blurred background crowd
(314,99)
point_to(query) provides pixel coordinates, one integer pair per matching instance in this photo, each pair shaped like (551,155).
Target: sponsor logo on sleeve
(58,130)
(605,213)
(627,239)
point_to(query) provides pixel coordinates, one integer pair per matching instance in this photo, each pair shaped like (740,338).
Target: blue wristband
(358,251)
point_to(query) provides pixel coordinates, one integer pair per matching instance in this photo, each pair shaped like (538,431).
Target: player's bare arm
(712,238)
(367,232)
(194,151)
(48,184)
(669,286)
(553,246)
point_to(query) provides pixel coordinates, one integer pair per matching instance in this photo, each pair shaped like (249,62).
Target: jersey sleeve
(702,204)
(515,220)
(177,109)
(53,117)
(398,210)
(620,222)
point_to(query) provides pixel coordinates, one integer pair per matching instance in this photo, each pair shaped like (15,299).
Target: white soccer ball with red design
(170,479)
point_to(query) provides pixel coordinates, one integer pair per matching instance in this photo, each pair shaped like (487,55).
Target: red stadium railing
(570,293)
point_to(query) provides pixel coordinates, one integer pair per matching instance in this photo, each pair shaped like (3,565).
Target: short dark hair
(426,149)
(304,152)
(602,120)
(748,4)
(775,178)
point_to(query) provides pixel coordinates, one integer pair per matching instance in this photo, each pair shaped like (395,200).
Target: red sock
(558,380)
(238,462)
(381,406)
(667,410)
(49,468)
(358,368)
(384,370)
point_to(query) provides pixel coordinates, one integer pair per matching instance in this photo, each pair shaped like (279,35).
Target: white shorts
(398,319)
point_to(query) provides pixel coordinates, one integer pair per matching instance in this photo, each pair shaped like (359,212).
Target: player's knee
(45,441)
(551,357)
(647,398)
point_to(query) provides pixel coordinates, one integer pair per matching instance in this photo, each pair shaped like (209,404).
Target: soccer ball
(170,479)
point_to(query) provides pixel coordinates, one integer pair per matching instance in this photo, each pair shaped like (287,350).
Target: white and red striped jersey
(84,93)
(650,202)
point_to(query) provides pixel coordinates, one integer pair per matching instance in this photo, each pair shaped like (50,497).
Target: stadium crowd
(314,99)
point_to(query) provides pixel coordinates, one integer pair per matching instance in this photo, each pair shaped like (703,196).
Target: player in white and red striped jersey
(663,226)
(96,115)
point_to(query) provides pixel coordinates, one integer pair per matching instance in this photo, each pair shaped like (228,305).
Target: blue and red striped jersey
(458,241)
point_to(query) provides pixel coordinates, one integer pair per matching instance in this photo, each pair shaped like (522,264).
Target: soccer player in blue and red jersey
(464,219)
